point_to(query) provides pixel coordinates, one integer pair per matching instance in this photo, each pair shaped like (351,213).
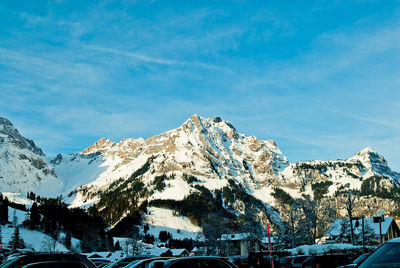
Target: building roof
(178,251)
(156,251)
(102,254)
(236,237)
(264,240)
(199,249)
(106,255)
(335,228)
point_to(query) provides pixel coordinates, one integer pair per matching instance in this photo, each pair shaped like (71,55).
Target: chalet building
(161,252)
(389,229)
(112,256)
(199,251)
(179,252)
(239,244)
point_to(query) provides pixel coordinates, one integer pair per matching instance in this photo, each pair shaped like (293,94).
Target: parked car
(292,261)
(263,259)
(193,262)
(56,264)
(98,261)
(239,260)
(356,261)
(387,255)
(326,261)
(127,260)
(101,265)
(145,263)
(23,260)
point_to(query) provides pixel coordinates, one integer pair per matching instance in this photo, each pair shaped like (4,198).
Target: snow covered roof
(102,254)
(335,228)
(198,249)
(178,251)
(156,251)
(235,237)
(264,240)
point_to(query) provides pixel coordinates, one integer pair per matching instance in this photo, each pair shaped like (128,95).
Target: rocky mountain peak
(11,133)
(369,157)
(202,125)
(4,122)
(99,146)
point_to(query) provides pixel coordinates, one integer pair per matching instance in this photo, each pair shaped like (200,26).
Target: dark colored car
(326,261)
(56,264)
(239,260)
(356,261)
(263,258)
(145,263)
(47,257)
(387,256)
(292,261)
(194,262)
(127,260)
(99,261)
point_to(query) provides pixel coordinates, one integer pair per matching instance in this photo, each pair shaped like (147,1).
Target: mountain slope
(204,164)
(22,167)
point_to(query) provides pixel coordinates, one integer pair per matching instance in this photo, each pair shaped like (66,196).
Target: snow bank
(317,249)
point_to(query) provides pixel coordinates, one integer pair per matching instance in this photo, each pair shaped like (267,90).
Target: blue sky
(321,78)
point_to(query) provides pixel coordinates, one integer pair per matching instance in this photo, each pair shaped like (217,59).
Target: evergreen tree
(67,240)
(4,211)
(1,240)
(345,232)
(370,237)
(117,246)
(146,228)
(149,239)
(164,236)
(34,217)
(16,241)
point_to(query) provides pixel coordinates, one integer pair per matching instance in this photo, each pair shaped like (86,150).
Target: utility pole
(363,242)
(379,219)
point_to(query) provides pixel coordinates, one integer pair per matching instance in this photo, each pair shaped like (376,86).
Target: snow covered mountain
(208,157)
(22,164)
(353,173)
(211,150)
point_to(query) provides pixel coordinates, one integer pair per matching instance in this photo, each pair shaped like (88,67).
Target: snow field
(180,227)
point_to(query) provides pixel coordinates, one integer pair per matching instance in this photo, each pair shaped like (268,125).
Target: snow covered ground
(180,227)
(18,198)
(34,240)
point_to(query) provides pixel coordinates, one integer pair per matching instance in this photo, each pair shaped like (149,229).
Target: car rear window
(299,259)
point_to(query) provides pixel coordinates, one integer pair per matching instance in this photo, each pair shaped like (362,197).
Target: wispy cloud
(136,56)
(120,69)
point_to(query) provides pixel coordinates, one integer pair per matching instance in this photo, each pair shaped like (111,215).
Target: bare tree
(318,214)
(288,230)
(213,228)
(49,244)
(348,202)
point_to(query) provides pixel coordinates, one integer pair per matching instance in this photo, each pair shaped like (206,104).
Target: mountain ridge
(204,156)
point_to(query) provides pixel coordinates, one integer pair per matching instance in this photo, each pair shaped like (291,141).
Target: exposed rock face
(22,167)
(212,151)
(201,152)
(7,130)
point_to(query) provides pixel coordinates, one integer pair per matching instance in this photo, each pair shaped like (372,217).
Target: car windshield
(387,256)
(360,258)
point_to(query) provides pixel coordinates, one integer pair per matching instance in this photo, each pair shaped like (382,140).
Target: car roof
(394,240)
(197,257)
